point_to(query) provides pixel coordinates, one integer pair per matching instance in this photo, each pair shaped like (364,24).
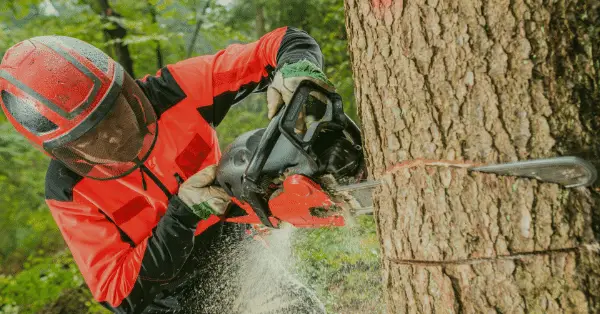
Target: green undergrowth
(342,265)
(45,285)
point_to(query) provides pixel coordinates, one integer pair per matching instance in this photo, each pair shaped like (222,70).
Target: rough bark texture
(481,81)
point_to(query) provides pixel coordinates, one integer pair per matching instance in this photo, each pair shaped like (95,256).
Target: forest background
(37,274)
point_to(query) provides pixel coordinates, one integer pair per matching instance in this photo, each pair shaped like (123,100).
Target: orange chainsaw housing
(300,195)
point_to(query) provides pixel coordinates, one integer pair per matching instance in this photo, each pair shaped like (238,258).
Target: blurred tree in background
(36,273)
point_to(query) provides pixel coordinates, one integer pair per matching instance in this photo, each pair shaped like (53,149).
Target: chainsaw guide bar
(569,171)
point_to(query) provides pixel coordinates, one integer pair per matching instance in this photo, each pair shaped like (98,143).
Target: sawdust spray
(255,277)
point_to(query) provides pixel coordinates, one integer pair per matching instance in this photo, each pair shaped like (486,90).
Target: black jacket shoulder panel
(60,182)
(216,112)
(162,91)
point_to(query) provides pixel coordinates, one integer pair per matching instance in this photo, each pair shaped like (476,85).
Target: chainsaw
(317,177)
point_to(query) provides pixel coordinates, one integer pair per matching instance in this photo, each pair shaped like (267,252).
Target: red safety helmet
(78,105)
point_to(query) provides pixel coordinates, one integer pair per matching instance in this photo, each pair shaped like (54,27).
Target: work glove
(285,82)
(198,193)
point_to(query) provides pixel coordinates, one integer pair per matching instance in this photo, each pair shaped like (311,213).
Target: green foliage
(250,114)
(342,265)
(20,9)
(26,224)
(41,282)
(73,20)
(322,19)
(333,42)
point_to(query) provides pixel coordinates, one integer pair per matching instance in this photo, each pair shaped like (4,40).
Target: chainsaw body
(300,204)
(274,174)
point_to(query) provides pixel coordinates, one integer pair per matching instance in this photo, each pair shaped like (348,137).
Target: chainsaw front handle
(333,117)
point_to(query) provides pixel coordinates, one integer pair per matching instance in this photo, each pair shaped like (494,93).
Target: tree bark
(485,82)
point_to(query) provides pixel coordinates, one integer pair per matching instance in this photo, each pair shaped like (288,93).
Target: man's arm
(117,271)
(215,82)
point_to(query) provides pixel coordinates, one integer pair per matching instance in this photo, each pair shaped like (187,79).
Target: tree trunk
(199,20)
(118,33)
(480,81)
(159,56)
(260,19)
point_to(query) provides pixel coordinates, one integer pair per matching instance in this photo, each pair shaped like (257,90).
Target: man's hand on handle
(198,193)
(286,81)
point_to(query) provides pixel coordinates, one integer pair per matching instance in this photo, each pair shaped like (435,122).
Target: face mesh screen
(117,144)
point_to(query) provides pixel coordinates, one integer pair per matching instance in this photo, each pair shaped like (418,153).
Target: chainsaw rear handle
(332,117)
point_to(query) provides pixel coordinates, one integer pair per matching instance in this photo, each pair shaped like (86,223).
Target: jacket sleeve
(116,272)
(218,81)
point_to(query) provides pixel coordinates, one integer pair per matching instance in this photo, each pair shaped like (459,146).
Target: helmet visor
(118,143)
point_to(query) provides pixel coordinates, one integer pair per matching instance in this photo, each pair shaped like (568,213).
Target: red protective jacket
(131,236)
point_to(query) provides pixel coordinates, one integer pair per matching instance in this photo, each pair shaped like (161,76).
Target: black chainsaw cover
(334,152)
